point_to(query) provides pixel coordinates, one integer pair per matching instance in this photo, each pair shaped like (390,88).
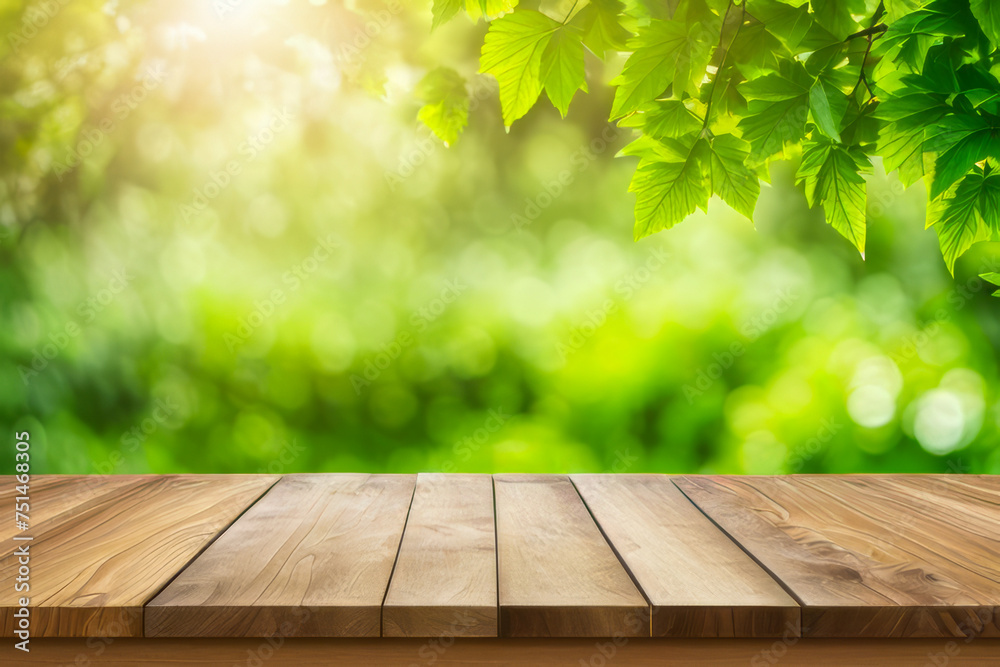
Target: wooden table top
(431,555)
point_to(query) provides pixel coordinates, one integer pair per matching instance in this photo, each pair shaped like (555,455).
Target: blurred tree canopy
(229,243)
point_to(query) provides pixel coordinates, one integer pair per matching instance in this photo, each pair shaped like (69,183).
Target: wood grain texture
(445,580)
(466,652)
(870,556)
(698,581)
(557,576)
(97,558)
(55,499)
(312,558)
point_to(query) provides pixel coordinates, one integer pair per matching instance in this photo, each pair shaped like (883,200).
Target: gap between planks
(142,615)
(749,553)
(614,550)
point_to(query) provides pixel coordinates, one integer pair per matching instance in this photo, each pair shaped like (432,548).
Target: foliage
(719,89)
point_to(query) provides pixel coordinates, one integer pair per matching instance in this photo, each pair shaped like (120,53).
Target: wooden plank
(557,576)
(312,558)
(699,582)
(466,652)
(445,580)
(94,566)
(56,498)
(869,556)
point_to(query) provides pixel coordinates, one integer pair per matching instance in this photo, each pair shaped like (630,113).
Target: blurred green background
(227,245)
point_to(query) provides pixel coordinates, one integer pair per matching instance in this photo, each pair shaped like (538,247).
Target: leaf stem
(570,12)
(722,62)
(870,34)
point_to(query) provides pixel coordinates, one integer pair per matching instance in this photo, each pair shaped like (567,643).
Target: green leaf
(732,180)
(902,134)
(827,105)
(789,23)
(960,140)
(910,38)
(666,53)
(987,12)
(993,278)
(489,9)
(832,178)
(664,119)
(896,9)
(444,10)
(446,103)
(756,50)
(777,111)
(669,184)
(512,52)
(836,15)
(562,68)
(601,24)
(959,219)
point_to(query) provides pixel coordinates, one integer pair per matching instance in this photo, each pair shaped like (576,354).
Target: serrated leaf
(960,141)
(958,219)
(987,12)
(669,191)
(512,52)
(443,11)
(562,68)
(600,22)
(666,53)
(776,112)
(664,119)
(832,178)
(732,180)
(446,103)
(909,39)
(903,131)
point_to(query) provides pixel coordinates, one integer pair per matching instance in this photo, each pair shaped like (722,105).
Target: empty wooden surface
(442,556)
(557,576)
(870,556)
(700,583)
(445,580)
(312,558)
(98,557)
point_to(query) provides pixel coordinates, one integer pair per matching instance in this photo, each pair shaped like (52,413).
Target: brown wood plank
(466,652)
(56,498)
(557,576)
(699,582)
(445,580)
(870,556)
(93,565)
(312,558)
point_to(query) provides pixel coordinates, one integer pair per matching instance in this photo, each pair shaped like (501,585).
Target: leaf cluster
(717,89)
